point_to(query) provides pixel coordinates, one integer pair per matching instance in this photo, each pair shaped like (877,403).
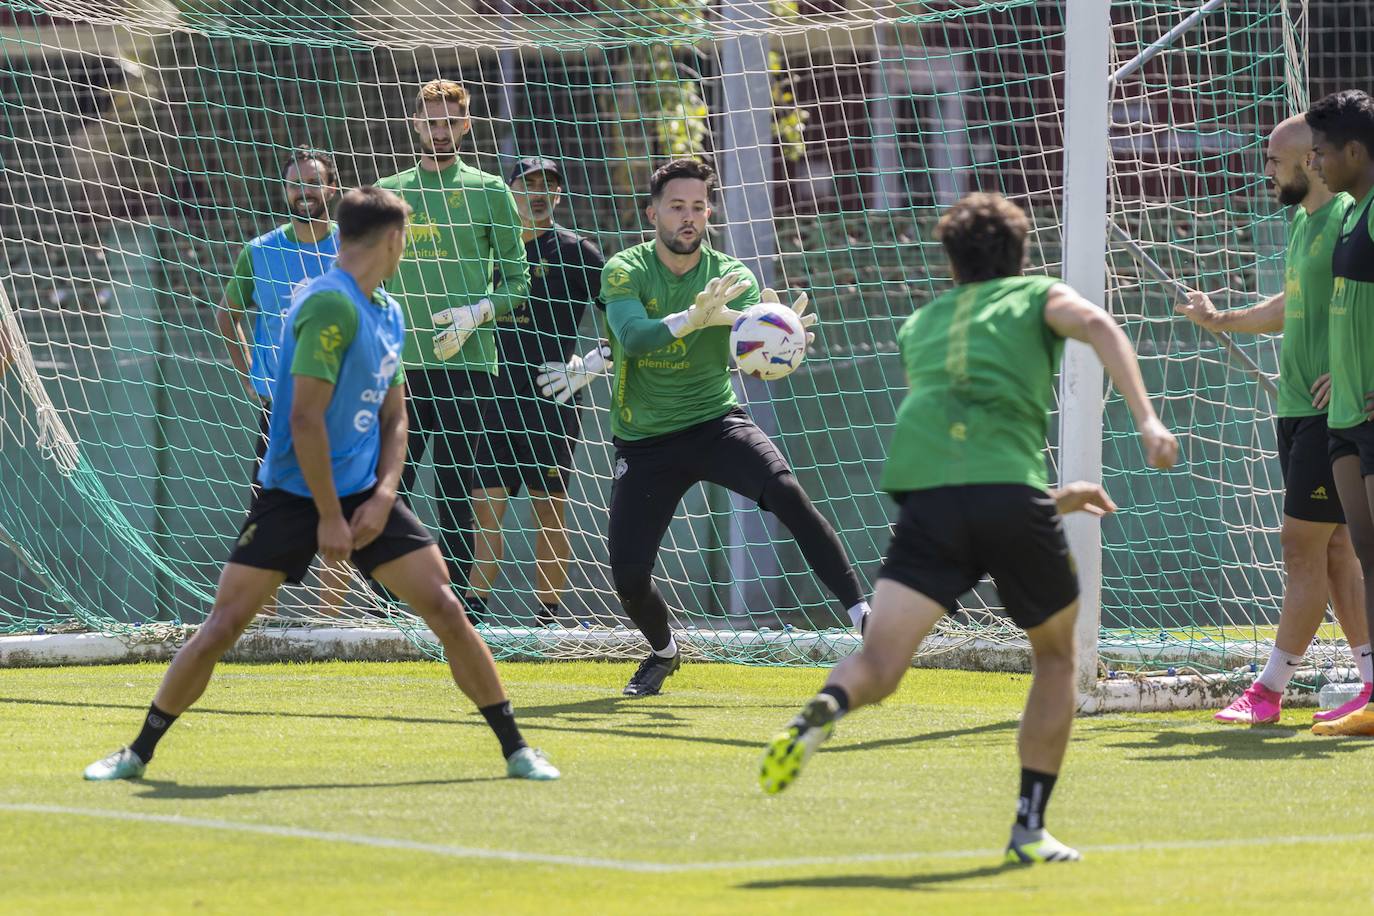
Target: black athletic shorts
(1356,440)
(1309,488)
(652,475)
(529,442)
(282,528)
(947,538)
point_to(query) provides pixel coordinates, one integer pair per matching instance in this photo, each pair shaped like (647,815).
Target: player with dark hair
(530,436)
(464,266)
(674,415)
(1318,559)
(269,269)
(967,466)
(335,450)
(1343,155)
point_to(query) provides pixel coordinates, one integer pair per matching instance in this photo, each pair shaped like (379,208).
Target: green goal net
(141,144)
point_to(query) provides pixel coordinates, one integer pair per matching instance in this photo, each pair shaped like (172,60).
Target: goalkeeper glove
(799,305)
(561,381)
(464,321)
(709,307)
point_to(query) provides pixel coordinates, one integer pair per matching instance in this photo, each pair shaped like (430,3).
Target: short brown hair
(443,91)
(367,210)
(303,154)
(985,237)
(681,168)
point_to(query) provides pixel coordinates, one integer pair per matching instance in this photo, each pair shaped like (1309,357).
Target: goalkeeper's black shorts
(947,538)
(281,533)
(1309,488)
(652,475)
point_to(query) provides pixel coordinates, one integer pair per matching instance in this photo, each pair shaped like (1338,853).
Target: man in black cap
(531,426)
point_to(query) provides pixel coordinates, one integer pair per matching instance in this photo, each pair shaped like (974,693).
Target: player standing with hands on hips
(674,416)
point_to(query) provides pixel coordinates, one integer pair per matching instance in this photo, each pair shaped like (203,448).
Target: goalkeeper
(1317,554)
(529,439)
(967,466)
(674,415)
(464,265)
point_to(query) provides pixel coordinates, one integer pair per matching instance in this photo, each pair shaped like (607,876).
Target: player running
(1342,127)
(268,270)
(966,464)
(530,439)
(464,265)
(1317,555)
(674,415)
(335,450)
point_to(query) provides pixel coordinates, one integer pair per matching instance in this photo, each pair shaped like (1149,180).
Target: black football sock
(501,718)
(1035,795)
(155,725)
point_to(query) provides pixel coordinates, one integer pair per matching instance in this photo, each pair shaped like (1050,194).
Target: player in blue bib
(336,449)
(269,270)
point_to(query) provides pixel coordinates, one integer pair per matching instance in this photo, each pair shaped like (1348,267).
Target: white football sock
(667,651)
(1279,670)
(1364,662)
(857,612)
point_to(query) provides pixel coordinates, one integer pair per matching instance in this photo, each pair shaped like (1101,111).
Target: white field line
(631,865)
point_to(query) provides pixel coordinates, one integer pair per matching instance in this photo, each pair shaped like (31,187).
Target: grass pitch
(343,787)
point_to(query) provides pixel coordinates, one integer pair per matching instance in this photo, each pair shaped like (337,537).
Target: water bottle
(1333,695)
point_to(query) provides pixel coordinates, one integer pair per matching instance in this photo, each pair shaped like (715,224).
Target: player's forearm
(1113,348)
(310,439)
(512,286)
(1265,318)
(231,329)
(637,332)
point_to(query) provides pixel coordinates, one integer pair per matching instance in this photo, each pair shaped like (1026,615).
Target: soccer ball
(768,341)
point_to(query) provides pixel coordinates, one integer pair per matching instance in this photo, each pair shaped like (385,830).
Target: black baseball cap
(531,164)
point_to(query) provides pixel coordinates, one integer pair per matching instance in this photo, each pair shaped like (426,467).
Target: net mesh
(142,144)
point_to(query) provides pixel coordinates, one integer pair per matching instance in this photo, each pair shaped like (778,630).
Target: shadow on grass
(166,788)
(988,728)
(929,881)
(1270,742)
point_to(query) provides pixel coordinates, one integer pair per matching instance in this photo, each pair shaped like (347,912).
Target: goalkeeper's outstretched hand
(799,305)
(463,320)
(561,381)
(709,309)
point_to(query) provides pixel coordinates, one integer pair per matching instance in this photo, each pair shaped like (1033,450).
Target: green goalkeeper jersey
(687,381)
(981,362)
(463,244)
(1305,353)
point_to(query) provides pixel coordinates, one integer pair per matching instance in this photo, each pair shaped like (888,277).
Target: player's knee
(632,582)
(1301,551)
(783,496)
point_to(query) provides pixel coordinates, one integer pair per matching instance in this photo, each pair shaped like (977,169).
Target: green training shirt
(687,381)
(463,244)
(1352,317)
(1304,353)
(981,364)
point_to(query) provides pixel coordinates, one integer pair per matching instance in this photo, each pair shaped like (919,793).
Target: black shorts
(1309,489)
(947,538)
(529,442)
(652,475)
(1356,440)
(281,533)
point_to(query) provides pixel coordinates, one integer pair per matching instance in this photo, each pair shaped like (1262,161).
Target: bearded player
(674,416)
